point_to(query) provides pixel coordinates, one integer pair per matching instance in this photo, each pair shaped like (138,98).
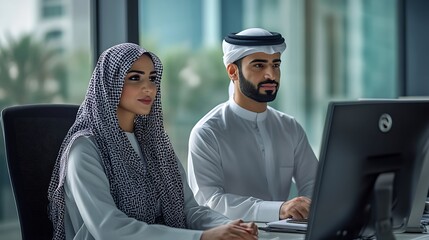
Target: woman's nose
(148,86)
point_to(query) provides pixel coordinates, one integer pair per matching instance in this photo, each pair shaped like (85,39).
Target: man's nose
(269,73)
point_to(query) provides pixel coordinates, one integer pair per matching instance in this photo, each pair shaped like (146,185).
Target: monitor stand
(383,191)
(414,221)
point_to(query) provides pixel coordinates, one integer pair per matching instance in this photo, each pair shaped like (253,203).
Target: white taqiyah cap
(252,40)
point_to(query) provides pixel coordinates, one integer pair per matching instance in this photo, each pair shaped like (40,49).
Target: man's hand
(296,208)
(234,230)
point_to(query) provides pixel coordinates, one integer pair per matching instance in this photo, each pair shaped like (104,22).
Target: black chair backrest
(33,135)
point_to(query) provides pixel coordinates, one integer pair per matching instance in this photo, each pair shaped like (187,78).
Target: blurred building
(63,24)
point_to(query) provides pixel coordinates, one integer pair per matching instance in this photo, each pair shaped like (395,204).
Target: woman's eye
(134,77)
(152,78)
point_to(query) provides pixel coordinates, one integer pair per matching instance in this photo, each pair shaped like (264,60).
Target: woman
(117,176)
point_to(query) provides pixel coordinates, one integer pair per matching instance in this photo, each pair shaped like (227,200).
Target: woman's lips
(146,101)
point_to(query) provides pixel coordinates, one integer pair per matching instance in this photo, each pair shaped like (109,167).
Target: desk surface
(298,236)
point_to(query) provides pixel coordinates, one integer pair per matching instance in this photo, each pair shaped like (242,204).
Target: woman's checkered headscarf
(136,186)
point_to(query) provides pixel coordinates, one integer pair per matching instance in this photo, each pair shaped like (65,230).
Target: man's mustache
(268,81)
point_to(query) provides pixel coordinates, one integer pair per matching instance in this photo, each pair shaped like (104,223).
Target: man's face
(259,76)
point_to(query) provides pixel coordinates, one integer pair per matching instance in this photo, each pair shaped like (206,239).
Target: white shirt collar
(246,114)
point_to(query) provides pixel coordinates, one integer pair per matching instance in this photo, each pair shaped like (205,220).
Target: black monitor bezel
(316,227)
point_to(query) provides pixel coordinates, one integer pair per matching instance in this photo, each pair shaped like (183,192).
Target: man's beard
(250,91)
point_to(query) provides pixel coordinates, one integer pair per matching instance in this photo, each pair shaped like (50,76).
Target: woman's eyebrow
(136,71)
(141,72)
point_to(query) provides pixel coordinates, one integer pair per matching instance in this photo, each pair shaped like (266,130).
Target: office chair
(33,135)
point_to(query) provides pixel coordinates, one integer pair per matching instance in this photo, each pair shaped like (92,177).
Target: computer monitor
(371,159)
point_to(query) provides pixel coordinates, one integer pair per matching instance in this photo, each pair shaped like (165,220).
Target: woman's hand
(234,230)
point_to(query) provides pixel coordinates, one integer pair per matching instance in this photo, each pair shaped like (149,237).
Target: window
(52,11)
(53,35)
(54,57)
(336,50)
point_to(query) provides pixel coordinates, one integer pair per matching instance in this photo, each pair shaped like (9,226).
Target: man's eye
(258,65)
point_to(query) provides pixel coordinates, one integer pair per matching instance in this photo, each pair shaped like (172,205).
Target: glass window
(50,11)
(40,61)
(336,50)
(53,35)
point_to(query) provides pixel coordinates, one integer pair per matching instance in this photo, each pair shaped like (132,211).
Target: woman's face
(139,90)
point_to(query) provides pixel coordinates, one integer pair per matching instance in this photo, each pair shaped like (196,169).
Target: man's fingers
(297,208)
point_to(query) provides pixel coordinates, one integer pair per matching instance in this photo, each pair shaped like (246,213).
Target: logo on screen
(385,122)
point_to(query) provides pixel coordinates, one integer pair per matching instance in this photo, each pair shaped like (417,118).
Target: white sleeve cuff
(268,211)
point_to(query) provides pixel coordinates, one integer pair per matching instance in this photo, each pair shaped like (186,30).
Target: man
(243,154)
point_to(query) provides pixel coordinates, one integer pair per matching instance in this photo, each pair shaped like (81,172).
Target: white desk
(298,236)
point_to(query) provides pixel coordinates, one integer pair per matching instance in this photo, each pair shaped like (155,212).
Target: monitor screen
(370,162)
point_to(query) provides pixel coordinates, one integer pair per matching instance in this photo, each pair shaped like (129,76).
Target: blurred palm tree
(30,72)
